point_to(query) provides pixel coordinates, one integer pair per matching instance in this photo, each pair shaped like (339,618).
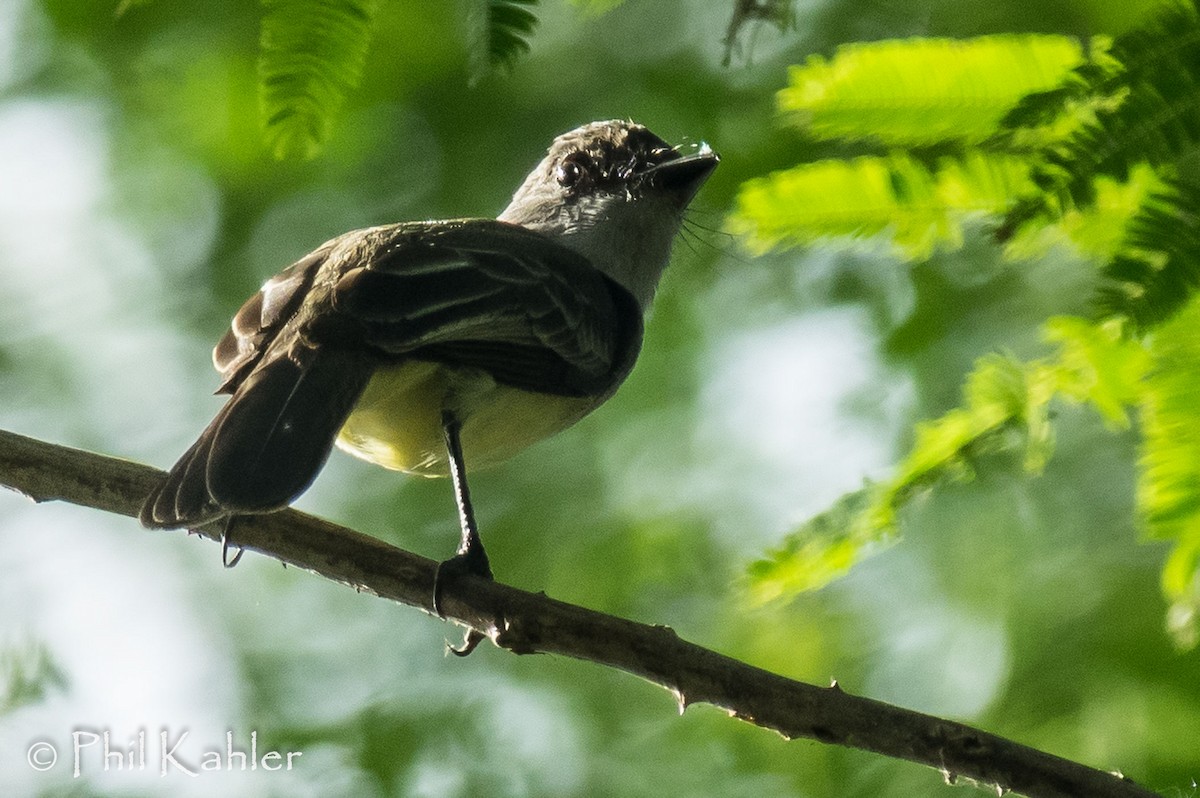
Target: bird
(435,347)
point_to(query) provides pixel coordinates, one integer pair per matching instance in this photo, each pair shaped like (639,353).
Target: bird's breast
(397,423)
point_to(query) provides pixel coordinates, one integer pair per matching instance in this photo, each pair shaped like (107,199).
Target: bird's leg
(471,557)
(470,550)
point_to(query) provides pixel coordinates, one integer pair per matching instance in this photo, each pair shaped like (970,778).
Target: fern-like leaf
(918,205)
(500,34)
(1168,492)
(1006,409)
(510,23)
(1098,364)
(1157,270)
(918,92)
(820,551)
(1144,95)
(312,54)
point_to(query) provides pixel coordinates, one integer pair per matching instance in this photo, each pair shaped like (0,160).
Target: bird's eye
(573,170)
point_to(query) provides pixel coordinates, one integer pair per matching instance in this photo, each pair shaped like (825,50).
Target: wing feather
(495,296)
(262,316)
(479,294)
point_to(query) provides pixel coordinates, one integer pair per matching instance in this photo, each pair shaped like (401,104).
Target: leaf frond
(820,551)
(1157,270)
(312,53)
(1006,410)
(918,205)
(917,92)
(1135,102)
(1168,490)
(501,33)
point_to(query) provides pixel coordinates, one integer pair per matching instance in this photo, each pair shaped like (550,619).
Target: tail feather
(268,442)
(182,499)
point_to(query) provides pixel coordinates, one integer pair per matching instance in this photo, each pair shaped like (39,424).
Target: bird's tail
(268,442)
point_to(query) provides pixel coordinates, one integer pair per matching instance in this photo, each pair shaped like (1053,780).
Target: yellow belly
(397,422)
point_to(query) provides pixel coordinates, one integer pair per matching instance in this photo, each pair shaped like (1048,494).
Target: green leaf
(1102,228)
(1046,118)
(1101,151)
(1168,492)
(1005,408)
(1098,230)
(27,675)
(1181,583)
(510,23)
(1157,270)
(917,205)
(1001,395)
(1100,365)
(822,550)
(1143,95)
(923,91)
(500,34)
(312,53)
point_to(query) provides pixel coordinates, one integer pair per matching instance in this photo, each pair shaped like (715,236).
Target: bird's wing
(299,353)
(262,316)
(493,296)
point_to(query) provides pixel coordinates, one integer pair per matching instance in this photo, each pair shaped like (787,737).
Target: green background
(139,206)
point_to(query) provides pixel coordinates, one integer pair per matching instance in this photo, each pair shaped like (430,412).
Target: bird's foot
(471,562)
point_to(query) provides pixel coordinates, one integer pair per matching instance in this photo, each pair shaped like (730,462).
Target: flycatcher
(430,347)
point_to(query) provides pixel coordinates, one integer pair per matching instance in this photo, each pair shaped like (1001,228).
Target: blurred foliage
(313,52)
(1168,492)
(502,35)
(747,14)
(1038,134)
(1157,267)
(148,204)
(597,6)
(1006,408)
(923,92)
(28,674)
(919,204)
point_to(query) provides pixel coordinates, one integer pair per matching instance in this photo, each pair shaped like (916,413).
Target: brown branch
(535,623)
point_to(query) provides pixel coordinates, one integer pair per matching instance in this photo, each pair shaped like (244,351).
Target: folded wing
(478,294)
(495,296)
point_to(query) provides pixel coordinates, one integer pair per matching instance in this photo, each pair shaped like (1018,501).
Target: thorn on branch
(680,699)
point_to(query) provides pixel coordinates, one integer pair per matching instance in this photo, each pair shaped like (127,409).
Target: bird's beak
(683,176)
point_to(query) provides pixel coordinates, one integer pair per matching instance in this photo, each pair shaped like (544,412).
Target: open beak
(683,176)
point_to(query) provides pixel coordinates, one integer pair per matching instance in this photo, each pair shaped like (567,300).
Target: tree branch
(526,623)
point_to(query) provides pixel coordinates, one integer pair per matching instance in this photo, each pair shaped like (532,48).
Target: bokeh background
(139,206)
